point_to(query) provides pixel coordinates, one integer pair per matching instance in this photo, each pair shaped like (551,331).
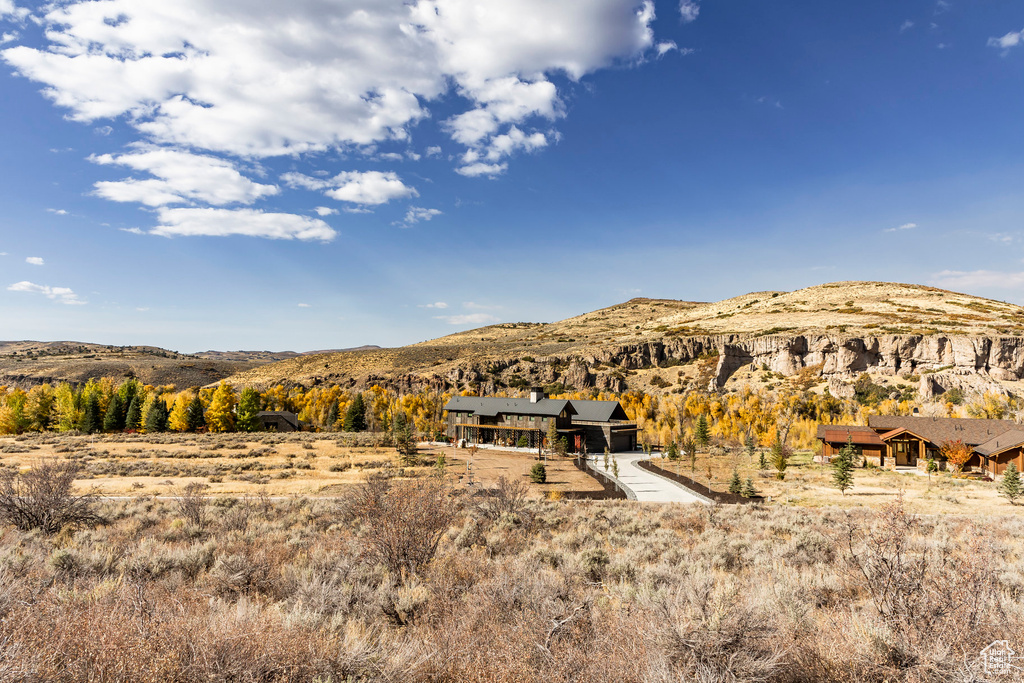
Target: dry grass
(274,464)
(808,484)
(578,591)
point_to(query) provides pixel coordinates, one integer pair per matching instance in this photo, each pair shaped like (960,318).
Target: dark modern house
(896,441)
(280,421)
(586,425)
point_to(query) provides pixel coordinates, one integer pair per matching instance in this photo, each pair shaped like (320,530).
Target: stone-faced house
(589,425)
(896,441)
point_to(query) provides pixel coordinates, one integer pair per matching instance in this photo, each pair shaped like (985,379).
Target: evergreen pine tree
(195,418)
(133,418)
(1010,486)
(355,416)
(538,473)
(748,489)
(842,467)
(332,416)
(672,452)
(780,457)
(156,417)
(402,437)
(112,420)
(702,434)
(749,444)
(90,422)
(552,437)
(735,485)
(762,462)
(247,417)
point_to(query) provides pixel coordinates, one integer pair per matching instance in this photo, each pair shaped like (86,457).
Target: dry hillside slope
(829,333)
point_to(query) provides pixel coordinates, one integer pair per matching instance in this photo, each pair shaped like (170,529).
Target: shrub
(538,473)
(43,498)
(403,521)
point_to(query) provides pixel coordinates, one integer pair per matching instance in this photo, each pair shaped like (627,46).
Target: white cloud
(180,177)
(59,212)
(34,260)
(325,211)
(142,309)
(415,214)
(366,188)
(3,253)
(60,294)
(480,168)
(134,231)
(8,8)
(905,226)
(473,306)
(271,79)
(688,10)
(665,47)
(436,304)
(469,319)
(906,26)
(304,306)
(433,151)
(1011,39)
(8,37)
(247,222)
(371,187)
(977,279)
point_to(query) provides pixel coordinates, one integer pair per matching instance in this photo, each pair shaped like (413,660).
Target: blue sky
(323,173)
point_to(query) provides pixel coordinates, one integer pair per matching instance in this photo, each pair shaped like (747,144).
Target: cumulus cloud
(1011,39)
(59,212)
(34,260)
(366,188)
(325,211)
(688,10)
(480,168)
(436,304)
(9,9)
(898,228)
(469,319)
(415,214)
(179,177)
(62,295)
(182,222)
(977,279)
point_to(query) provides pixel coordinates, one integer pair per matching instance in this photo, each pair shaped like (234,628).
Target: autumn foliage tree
(956,453)
(220,416)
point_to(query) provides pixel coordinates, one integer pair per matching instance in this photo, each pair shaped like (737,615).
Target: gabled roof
(1003,442)
(288,416)
(598,411)
(899,432)
(491,407)
(941,429)
(861,436)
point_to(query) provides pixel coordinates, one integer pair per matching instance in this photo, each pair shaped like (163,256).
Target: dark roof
(938,430)
(490,407)
(598,411)
(290,417)
(862,436)
(1004,441)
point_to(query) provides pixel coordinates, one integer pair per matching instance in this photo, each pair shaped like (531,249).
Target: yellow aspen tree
(220,414)
(178,421)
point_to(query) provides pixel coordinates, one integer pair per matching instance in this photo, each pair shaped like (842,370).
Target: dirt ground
(283,465)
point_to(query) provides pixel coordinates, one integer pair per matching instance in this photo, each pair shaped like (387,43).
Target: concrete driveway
(648,487)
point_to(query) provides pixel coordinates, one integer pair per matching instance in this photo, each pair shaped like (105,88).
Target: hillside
(29,363)
(845,328)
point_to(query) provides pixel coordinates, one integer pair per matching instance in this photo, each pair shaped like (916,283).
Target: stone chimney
(536,395)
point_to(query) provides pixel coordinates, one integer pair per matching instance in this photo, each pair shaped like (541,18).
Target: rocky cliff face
(974,363)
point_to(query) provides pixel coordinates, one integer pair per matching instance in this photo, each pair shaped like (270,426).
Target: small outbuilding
(280,421)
